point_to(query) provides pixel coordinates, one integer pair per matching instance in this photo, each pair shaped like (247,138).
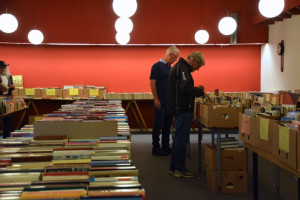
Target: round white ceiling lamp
(124,8)
(227,25)
(270,8)
(8,23)
(201,36)
(35,37)
(122,38)
(124,25)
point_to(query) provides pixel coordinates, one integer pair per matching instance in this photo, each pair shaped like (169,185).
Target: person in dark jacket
(6,80)
(158,83)
(181,95)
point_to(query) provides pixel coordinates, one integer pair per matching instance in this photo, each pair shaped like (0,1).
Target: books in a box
(229,142)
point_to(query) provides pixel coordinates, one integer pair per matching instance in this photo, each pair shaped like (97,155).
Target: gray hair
(198,57)
(172,49)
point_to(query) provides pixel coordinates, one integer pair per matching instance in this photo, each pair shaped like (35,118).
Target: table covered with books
(37,164)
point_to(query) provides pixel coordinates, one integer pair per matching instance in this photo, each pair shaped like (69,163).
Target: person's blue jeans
(162,122)
(180,141)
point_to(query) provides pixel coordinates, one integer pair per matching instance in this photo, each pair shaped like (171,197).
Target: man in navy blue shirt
(158,83)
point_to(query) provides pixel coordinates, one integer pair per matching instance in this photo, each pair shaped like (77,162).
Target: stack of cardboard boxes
(234,177)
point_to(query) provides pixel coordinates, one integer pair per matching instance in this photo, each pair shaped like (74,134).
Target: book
(19,177)
(53,194)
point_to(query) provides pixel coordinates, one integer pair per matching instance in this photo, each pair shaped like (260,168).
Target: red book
(65,173)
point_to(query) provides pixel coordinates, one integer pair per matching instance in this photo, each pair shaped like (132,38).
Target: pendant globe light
(270,8)
(124,24)
(122,38)
(35,36)
(8,23)
(124,8)
(227,25)
(201,36)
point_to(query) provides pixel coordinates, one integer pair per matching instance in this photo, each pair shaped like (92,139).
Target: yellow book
(75,161)
(19,177)
(4,86)
(65,178)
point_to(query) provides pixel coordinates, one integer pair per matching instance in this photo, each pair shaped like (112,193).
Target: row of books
(129,96)
(8,106)
(89,110)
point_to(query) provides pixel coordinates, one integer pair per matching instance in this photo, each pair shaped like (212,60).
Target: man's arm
(155,95)
(186,84)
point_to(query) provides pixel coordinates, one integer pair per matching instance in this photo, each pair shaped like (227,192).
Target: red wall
(155,21)
(127,69)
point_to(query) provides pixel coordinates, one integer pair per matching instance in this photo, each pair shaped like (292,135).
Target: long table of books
(41,100)
(269,125)
(35,165)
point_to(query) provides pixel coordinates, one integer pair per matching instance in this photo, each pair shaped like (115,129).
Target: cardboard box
(76,93)
(34,118)
(247,129)
(275,99)
(231,181)
(264,131)
(30,93)
(76,129)
(15,92)
(259,109)
(51,93)
(94,93)
(267,97)
(285,145)
(231,159)
(219,116)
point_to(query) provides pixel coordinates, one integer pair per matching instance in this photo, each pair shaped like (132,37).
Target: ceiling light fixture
(227,25)
(201,36)
(124,8)
(122,38)
(8,23)
(35,37)
(270,8)
(124,25)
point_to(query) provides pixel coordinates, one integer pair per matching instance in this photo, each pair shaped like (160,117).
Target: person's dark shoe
(183,174)
(159,152)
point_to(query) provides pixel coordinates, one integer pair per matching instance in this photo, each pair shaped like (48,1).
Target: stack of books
(54,167)
(229,142)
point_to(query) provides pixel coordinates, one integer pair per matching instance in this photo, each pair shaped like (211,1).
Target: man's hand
(157,104)
(207,96)
(201,87)
(12,86)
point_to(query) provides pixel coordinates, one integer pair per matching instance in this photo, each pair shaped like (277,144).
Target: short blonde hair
(172,49)
(198,56)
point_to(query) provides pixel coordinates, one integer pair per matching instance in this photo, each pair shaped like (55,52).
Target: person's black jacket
(181,92)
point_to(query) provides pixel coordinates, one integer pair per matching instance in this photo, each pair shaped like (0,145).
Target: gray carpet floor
(159,185)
